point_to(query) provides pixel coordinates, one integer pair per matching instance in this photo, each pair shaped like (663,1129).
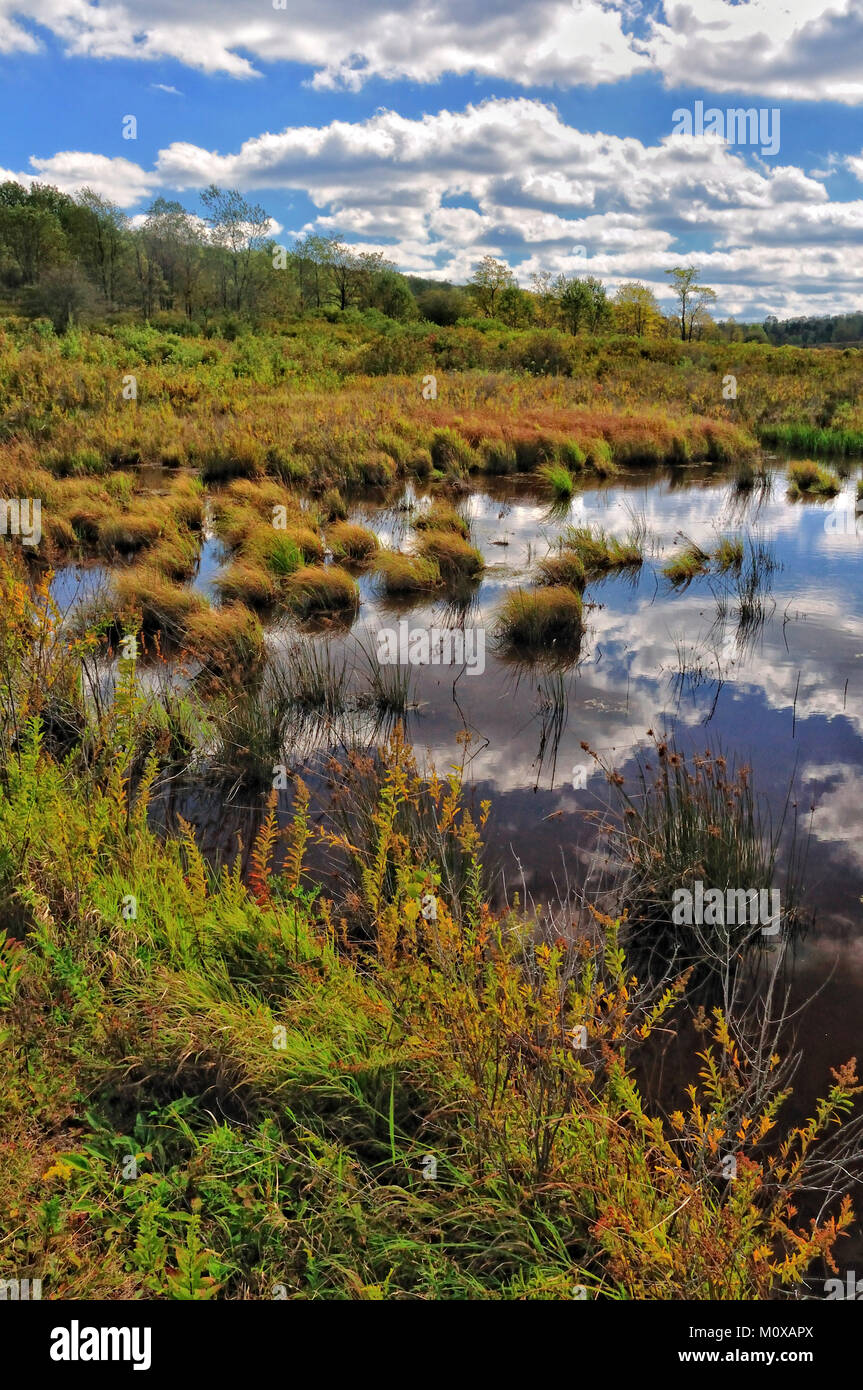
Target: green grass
(558,479)
(598,551)
(687,564)
(728,555)
(812,439)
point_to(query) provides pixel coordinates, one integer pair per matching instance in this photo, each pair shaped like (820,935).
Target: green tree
(692,297)
(64,295)
(33,236)
(238,228)
(636,311)
(444,306)
(515,307)
(489,278)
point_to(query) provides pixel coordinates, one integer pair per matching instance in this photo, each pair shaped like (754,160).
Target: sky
(557,135)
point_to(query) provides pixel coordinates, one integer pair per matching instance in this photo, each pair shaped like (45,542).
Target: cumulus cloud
(805,50)
(121,180)
(811,49)
(511,178)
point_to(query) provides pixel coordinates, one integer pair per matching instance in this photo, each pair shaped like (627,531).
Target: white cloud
(785,49)
(782,49)
(511,178)
(118,179)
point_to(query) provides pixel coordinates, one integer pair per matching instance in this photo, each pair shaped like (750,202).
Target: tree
(599,309)
(636,311)
(238,228)
(392,295)
(344,267)
(33,236)
(443,306)
(174,244)
(515,307)
(546,296)
(693,297)
(486,283)
(64,295)
(99,235)
(310,257)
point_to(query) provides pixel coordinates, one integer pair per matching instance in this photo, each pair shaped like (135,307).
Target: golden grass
(349,541)
(563,568)
(249,581)
(406,574)
(321,589)
(441,516)
(540,619)
(228,641)
(454,556)
(162,606)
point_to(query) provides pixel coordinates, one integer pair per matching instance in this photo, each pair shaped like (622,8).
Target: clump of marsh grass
(687,564)
(389,691)
(541,619)
(161,605)
(351,542)
(247,581)
(321,589)
(557,477)
(406,574)
(441,516)
(228,641)
(809,479)
(317,678)
(728,555)
(598,551)
(455,557)
(691,820)
(564,567)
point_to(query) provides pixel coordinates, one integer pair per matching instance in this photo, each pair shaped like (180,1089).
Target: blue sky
(443,130)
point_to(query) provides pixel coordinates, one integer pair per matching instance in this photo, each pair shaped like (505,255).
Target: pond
(764,665)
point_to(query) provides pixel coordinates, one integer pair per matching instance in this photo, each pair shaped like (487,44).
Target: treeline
(836,329)
(79,259)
